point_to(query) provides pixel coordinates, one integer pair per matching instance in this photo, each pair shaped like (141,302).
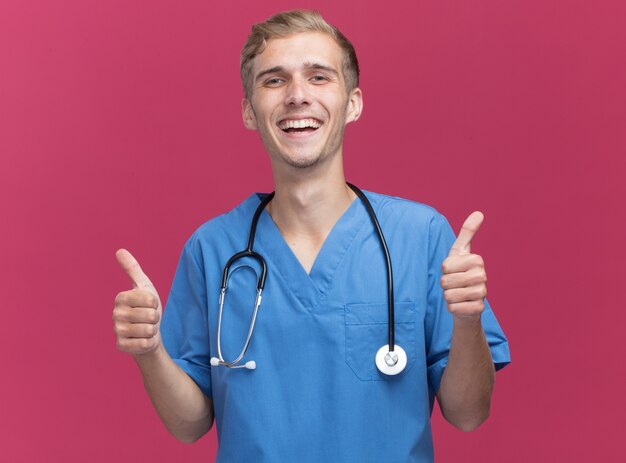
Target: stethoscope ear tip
(251,365)
(215,361)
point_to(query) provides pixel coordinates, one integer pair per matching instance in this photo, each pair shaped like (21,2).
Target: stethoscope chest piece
(391,363)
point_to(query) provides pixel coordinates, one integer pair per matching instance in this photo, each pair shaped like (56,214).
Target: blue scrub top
(316,394)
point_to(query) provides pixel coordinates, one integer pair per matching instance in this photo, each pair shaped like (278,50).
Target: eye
(273,82)
(319,78)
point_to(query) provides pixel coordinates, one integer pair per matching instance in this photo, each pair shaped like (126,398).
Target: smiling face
(299,102)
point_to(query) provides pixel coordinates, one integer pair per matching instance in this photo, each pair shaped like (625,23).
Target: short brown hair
(291,22)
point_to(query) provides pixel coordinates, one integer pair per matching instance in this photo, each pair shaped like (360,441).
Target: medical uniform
(316,394)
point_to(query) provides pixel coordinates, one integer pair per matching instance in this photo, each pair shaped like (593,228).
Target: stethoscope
(390,359)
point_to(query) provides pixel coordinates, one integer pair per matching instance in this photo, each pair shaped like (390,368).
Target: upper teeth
(300,124)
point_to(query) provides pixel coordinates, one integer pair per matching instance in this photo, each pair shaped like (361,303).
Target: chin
(304,161)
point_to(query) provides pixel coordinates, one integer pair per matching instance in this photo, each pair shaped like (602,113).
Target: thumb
(462,245)
(130,265)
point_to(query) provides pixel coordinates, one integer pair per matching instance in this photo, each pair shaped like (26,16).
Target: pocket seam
(408,314)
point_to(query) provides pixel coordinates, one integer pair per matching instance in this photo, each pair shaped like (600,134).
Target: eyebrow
(308,66)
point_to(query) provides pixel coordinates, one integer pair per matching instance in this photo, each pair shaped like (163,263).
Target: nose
(297,93)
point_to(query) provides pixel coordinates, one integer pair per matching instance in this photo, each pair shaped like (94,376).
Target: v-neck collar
(310,288)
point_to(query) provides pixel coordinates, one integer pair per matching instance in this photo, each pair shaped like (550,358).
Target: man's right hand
(181,404)
(137,312)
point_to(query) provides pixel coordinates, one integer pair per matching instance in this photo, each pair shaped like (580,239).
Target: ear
(355,105)
(249,119)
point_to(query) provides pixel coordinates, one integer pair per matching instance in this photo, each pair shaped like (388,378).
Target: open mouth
(299,125)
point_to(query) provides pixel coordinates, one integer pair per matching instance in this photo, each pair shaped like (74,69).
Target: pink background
(120,126)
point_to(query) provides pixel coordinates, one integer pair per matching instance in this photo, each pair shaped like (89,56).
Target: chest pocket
(366,332)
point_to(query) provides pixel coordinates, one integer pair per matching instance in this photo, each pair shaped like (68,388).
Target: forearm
(467,383)
(180,403)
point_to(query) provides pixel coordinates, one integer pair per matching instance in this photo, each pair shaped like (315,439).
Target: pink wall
(120,126)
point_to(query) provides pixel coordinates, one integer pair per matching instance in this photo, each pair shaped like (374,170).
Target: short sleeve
(439,322)
(184,328)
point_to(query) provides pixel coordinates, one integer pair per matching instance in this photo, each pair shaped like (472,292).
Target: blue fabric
(316,394)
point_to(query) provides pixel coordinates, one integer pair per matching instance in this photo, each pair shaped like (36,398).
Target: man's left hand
(463,280)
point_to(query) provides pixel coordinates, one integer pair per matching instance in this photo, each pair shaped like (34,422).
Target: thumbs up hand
(463,277)
(137,312)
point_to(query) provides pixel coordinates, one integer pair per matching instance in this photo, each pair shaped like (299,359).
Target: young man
(312,388)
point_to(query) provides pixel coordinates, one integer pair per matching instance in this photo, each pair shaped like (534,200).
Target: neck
(310,203)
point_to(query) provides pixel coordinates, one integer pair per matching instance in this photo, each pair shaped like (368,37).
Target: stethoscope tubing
(383,242)
(248,252)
